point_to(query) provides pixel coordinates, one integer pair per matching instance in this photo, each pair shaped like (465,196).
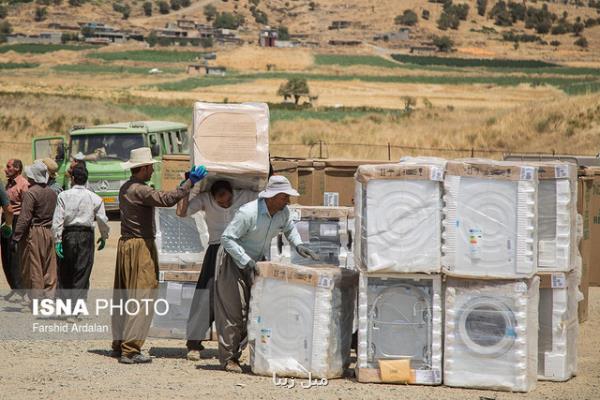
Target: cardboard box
(174,167)
(232,141)
(289,169)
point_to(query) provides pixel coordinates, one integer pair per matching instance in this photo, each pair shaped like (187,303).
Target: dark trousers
(76,266)
(202,313)
(232,300)
(10,261)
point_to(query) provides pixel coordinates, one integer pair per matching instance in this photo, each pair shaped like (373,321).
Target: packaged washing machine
(490,219)
(559,327)
(398,217)
(400,329)
(491,334)
(232,142)
(325,230)
(300,320)
(557,216)
(180,242)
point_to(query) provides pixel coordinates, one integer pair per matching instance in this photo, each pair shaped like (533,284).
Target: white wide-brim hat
(138,158)
(278,184)
(37,172)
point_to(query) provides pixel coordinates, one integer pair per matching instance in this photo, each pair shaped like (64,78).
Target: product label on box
(328,230)
(325,282)
(558,281)
(475,236)
(428,376)
(265,335)
(437,174)
(527,173)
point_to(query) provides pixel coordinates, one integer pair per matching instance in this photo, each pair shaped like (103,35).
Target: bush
(260,17)
(227,20)
(539,19)
(409,18)
(40,14)
(555,43)
(69,37)
(560,29)
(581,42)
(283,33)
(147,9)
(501,15)
(577,28)
(590,22)
(447,21)
(425,15)
(151,39)
(124,9)
(5,28)
(210,12)
(3,11)
(517,11)
(75,3)
(443,43)
(42,2)
(175,4)
(481,6)
(186,3)
(163,7)
(513,37)
(312,5)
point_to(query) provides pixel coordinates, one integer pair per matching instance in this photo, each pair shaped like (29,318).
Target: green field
(18,65)
(349,60)
(279,113)
(194,83)
(471,62)
(110,69)
(162,56)
(162,112)
(42,48)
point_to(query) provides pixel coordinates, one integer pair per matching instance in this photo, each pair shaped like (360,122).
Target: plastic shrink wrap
(400,329)
(491,334)
(398,217)
(490,219)
(300,320)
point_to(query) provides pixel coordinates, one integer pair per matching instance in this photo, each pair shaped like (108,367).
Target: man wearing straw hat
(246,240)
(34,236)
(136,272)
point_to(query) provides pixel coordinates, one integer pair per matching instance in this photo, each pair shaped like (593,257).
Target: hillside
(476,36)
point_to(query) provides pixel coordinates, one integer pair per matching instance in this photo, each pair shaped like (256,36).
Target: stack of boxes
(398,223)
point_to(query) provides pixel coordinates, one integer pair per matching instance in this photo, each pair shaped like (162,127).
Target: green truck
(105,147)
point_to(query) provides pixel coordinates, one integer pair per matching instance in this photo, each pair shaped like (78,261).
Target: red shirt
(15,188)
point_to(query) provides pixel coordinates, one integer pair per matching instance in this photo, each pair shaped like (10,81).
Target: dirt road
(83,369)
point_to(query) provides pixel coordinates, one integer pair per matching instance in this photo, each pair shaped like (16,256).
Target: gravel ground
(84,369)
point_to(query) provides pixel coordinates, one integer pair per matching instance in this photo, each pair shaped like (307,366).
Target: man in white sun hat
(34,235)
(246,240)
(136,272)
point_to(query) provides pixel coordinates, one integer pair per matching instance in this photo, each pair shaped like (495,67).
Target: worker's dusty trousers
(38,263)
(136,278)
(232,298)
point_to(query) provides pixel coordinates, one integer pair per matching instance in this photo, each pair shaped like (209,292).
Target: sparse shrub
(581,42)
(443,43)
(5,28)
(555,43)
(175,4)
(163,7)
(40,14)
(448,21)
(210,12)
(227,20)
(147,9)
(481,6)
(409,18)
(312,6)
(260,17)
(425,15)
(409,103)
(427,103)
(187,3)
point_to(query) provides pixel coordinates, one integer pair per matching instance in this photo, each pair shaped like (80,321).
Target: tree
(210,12)
(124,9)
(443,43)
(175,5)
(147,9)
(294,87)
(227,20)
(578,27)
(151,39)
(581,42)
(163,7)
(3,11)
(481,6)
(40,13)
(186,3)
(75,3)
(283,33)
(5,28)
(260,17)
(448,21)
(409,18)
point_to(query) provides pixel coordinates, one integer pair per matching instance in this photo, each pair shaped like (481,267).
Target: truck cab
(105,147)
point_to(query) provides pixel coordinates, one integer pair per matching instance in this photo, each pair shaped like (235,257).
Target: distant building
(42,38)
(267,37)
(339,25)
(224,36)
(345,42)
(194,69)
(171,33)
(205,31)
(186,24)
(98,32)
(423,49)
(402,34)
(215,71)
